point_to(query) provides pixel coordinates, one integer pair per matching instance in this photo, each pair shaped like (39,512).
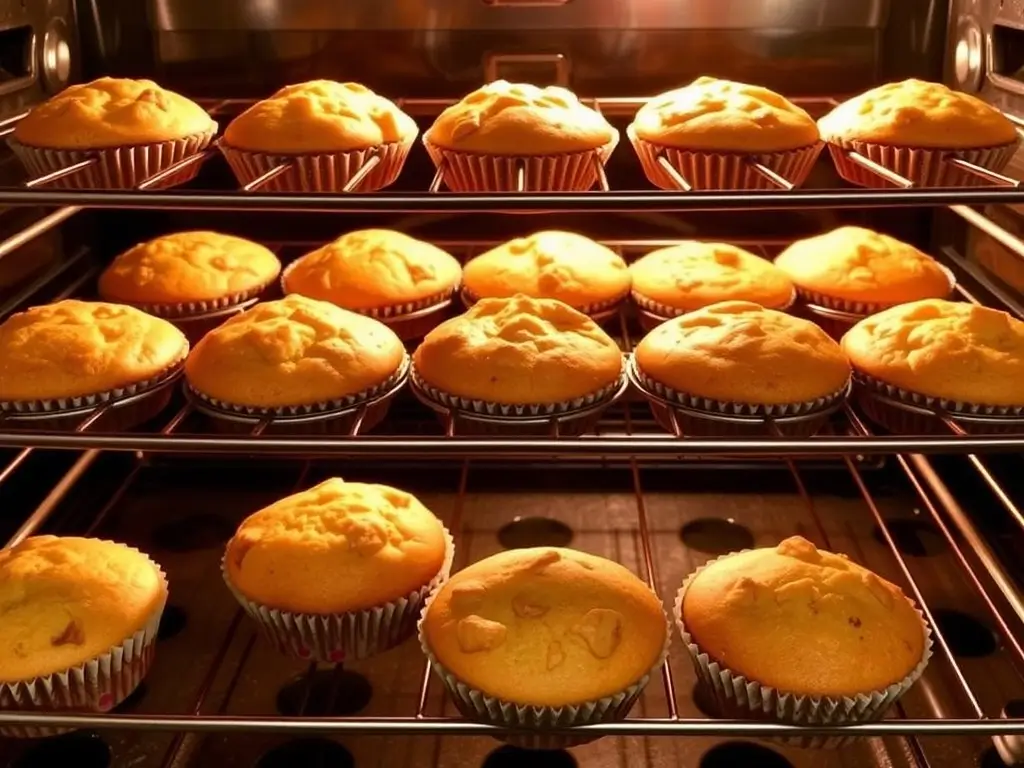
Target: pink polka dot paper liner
(97,685)
(335,638)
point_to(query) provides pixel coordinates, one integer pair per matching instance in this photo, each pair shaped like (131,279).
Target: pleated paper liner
(653,313)
(836,316)
(117,167)
(598,311)
(410,320)
(704,417)
(704,170)
(533,723)
(737,697)
(924,167)
(479,417)
(333,417)
(340,637)
(903,412)
(97,685)
(475,172)
(129,406)
(324,172)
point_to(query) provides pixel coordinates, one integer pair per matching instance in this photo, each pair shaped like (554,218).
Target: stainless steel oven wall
(442,47)
(38,51)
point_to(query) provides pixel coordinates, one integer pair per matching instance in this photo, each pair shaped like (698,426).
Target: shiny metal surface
(38,51)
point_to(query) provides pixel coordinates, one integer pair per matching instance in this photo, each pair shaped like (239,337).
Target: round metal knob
(968,56)
(56,56)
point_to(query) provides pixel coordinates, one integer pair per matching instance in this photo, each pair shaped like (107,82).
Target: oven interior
(947,528)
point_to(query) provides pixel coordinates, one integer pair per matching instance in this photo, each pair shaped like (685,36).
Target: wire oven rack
(625,437)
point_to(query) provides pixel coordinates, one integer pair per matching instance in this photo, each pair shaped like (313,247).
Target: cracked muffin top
(293,352)
(546,626)
(952,350)
(372,269)
(67,600)
(336,547)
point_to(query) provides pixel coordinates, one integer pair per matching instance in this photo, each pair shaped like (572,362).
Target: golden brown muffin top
(373,269)
(320,116)
(188,267)
(292,352)
(722,116)
(693,274)
(915,113)
(804,621)
(67,600)
(549,265)
(519,351)
(75,348)
(504,118)
(112,112)
(947,349)
(740,352)
(336,547)
(546,626)
(856,264)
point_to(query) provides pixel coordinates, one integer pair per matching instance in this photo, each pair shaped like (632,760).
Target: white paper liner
(726,408)
(97,685)
(864,308)
(953,407)
(306,409)
(118,167)
(340,637)
(723,170)
(473,172)
(325,172)
(592,310)
(733,692)
(60,404)
(534,720)
(506,410)
(668,312)
(394,312)
(924,167)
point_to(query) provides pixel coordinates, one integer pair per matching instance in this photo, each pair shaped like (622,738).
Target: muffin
(299,361)
(79,628)
(691,275)
(187,276)
(327,132)
(802,636)
(544,637)
(711,131)
(851,272)
(405,283)
(931,354)
(340,571)
(738,367)
(518,362)
(59,360)
(484,141)
(133,128)
(571,268)
(911,127)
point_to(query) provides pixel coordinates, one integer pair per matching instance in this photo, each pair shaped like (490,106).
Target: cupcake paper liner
(924,167)
(535,720)
(97,685)
(597,311)
(902,411)
(118,167)
(327,172)
(722,170)
(654,313)
(192,310)
(738,697)
(339,637)
(705,416)
(472,172)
